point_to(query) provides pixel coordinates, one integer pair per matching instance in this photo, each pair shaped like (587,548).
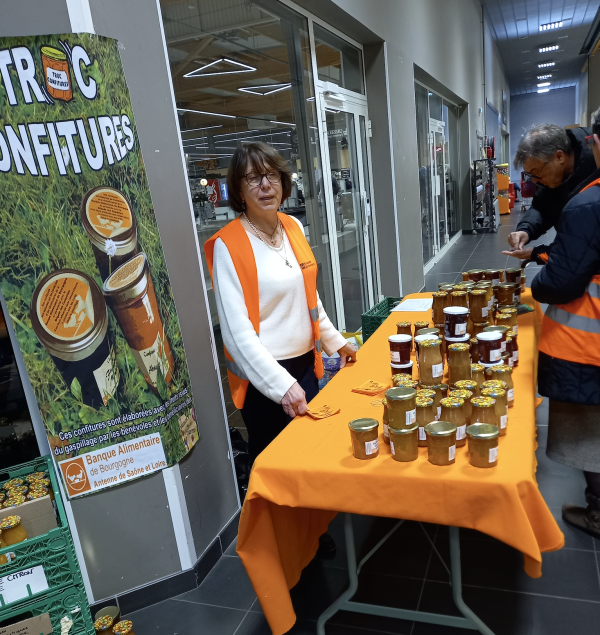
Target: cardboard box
(39,625)
(37,516)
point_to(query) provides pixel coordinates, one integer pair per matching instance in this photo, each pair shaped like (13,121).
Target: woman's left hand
(347,354)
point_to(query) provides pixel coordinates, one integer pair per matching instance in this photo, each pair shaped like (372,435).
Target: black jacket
(573,260)
(548,203)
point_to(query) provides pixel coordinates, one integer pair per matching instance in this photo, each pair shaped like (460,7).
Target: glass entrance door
(437,157)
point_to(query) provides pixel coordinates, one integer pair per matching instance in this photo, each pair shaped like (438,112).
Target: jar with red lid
(456,318)
(431,365)
(453,412)
(490,347)
(459,298)
(400,347)
(440,300)
(459,362)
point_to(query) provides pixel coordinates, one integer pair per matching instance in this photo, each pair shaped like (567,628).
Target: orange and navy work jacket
(238,244)
(572,331)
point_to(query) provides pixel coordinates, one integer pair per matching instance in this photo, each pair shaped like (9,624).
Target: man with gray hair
(559,162)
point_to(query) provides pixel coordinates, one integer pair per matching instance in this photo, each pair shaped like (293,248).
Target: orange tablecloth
(308,474)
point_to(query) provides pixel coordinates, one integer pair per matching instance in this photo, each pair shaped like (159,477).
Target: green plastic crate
(71,601)
(376,316)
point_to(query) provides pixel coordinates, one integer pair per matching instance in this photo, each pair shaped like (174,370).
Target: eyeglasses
(535,176)
(254,180)
(590,141)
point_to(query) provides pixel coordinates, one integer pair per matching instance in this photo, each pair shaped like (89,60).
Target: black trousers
(264,418)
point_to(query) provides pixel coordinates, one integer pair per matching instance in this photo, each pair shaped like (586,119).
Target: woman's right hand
(294,401)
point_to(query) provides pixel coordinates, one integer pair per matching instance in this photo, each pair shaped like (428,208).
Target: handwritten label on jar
(437,370)
(461,432)
(503,420)
(460,329)
(493,454)
(495,355)
(439,413)
(422,435)
(371,447)
(151,359)
(411,417)
(386,430)
(510,395)
(393,448)
(107,377)
(451,452)
(395,357)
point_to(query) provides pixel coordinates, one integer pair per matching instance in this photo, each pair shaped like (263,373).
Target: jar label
(437,370)
(460,329)
(395,357)
(515,329)
(484,311)
(372,446)
(451,452)
(510,394)
(57,79)
(422,435)
(108,213)
(439,413)
(151,359)
(503,347)
(107,377)
(495,354)
(391,446)
(511,361)
(493,455)
(461,432)
(503,421)
(386,430)
(411,417)
(515,355)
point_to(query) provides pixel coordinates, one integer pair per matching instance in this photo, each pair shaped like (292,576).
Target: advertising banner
(81,264)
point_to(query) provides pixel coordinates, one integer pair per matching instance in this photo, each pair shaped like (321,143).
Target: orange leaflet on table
(323,412)
(370,387)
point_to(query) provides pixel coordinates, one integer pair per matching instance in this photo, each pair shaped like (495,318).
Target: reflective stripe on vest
(240,249)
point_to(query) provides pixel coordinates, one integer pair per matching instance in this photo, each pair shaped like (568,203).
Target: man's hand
(294,401)
(521,254)
(518,240)
(347,354)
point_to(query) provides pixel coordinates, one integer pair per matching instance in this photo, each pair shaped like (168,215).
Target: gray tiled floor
(564,601)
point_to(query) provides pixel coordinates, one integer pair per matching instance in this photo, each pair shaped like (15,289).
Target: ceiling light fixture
(548,76)
(228,134)
(546,64)
(204,112)
(543,84)
(284,123)
(543,90)
(550,25)
(205,128)
(267,89)
(547,49)
(242,68)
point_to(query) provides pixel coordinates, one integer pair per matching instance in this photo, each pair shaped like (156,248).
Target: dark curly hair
(262,157)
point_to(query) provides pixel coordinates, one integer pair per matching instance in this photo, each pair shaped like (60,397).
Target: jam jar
(459,298)
(421,325)
(515,346)
(448,341)
(404,328)
(404,380)
(478,376)
(494,383)
(483,445)
(487,287)
(441,442)
(484,411)
(436,395)
(500,329)
(490,347)
(514,324)
(404,443)
(365,438)
(425,415)
(401,404)
(478,305)
(440,299)
(459,362)
(523,281)
(456,320)
(503,319)
(478,327)
(466,384)
(504,373)
(402,369)
(501,407)
(474,349)
(431,365)
(508,356)
(386,421)
(400,347)
(476,275)
(12,531)
(465,275)
(424,338)
(513,275)
(448,287)
(466,396)
(493,275)
(453,411)
(506,294)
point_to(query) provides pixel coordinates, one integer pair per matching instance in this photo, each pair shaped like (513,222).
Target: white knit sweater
(285,329)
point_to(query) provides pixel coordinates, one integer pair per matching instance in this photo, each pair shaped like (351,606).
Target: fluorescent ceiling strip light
(204,112)
(548,76)
(275,88)
(283,123)
(543,84)
(243,68)
(544,90)
(550,25)
(546,64)
(194,139)
(547,49)
(205,128)
(228,134)
(256,136)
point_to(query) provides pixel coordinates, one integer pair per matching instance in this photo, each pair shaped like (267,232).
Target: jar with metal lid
(130,294)
(453,411)
(421,324)
(514,324)
(506,294)
(459,362)
(365,438)
(466,396)
(404,328)
(441,442)
(386,421)
(501,406)
(405,380)
(474,349)
(493,275)
(503,330)
(465,275)
(68,314)
(12,531)
(446,286)
(483,445)
(431,364)
(459,298)
(494,383)
(478,305)
(425,414)
(404,443)
(504,373)
(440,299)
(503,319)
(423,338)
(515,346)
(466,285)
(476,275)
(478,327)
(401,403)
(489,290)
(513,275)
(456,321)
(400,347)
(478,376)
(490,347)
(109,222)
(402,369)
(484,411)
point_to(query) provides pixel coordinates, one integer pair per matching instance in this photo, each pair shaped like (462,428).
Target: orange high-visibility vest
(236,239)
(572,331)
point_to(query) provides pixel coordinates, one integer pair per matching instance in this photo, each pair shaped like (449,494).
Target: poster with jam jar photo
(82,269)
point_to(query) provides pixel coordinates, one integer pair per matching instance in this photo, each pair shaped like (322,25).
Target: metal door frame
(437,126)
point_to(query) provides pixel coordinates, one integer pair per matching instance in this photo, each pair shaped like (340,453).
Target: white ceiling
(515,27)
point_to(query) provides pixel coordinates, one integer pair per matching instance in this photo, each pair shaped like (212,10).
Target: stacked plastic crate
(502,179)
(62,594)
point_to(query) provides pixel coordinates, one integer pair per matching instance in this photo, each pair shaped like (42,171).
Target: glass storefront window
(338,61)
(242,72)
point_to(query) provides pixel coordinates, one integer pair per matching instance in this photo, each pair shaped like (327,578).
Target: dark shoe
(326,549)
(586,519)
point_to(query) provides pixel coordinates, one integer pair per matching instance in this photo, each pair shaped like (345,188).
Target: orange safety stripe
(240,249)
